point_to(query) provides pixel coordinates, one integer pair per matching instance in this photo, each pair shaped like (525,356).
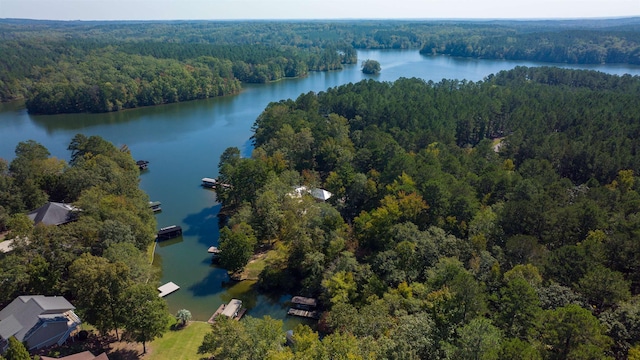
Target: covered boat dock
(169,232)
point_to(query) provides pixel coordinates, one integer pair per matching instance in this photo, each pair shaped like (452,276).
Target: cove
(183,143)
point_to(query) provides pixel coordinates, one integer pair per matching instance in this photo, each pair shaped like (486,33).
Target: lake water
(183,143)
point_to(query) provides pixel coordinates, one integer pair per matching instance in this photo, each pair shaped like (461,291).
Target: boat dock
(304,313)
(167,289)
(304,302)
(155,206)
(241,314)
(211,183)
(142,164)
(169,232)
(208,182)
(304,307)
(233,310)
(213,317)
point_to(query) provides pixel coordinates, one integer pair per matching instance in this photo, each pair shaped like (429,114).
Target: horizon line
(343,19)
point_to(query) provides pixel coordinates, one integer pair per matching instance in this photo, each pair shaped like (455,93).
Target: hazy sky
(312,9)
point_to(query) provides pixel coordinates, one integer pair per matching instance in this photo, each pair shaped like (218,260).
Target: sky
(314,9)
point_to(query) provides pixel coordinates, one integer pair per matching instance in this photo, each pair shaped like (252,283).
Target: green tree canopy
(98,287)
(236,246)
(16,350)
(145,314)
(371,67)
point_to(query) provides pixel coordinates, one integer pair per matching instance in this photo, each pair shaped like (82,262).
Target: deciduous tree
(16,350)
(145,314)
(236,246)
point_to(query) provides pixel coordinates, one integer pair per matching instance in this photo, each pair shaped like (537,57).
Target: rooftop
(86,355)
(232,308)
(52,213)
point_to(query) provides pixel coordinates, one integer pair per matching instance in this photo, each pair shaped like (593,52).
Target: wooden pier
(241,314)
(304,313)
(213,317)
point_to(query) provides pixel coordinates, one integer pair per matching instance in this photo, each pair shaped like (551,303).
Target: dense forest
(98,259)
(567,46)
(64,67)
(469,220)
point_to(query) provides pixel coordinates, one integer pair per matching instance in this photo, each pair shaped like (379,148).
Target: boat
(169,232)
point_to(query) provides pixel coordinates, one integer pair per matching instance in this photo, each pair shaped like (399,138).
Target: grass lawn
(179,344)
(257,264)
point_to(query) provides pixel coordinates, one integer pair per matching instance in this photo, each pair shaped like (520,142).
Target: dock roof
(169,229)
(301,300)
(167,289)
(232,308)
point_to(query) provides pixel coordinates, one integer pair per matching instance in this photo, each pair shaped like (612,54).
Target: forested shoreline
(70,67)
(98,260)
(488,220)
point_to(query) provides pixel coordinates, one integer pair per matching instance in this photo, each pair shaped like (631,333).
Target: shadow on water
(203,225)
(243,290)
(166,113)
(211,284)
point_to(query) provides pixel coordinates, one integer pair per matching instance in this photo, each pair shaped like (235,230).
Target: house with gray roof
(317,193)
(38,321)
(86,355)
(53,213)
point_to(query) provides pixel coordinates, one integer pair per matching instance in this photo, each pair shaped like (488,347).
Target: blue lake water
(183,143)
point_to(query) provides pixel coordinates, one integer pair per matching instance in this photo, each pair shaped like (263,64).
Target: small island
(371,67)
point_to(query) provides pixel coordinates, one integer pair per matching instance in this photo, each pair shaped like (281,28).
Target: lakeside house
(317,193)
(38,321)
(53,213)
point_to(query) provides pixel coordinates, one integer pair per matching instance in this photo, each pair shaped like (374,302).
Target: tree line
(112,77)
(62,72)
(71,66)
(565,46)
(493,219)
